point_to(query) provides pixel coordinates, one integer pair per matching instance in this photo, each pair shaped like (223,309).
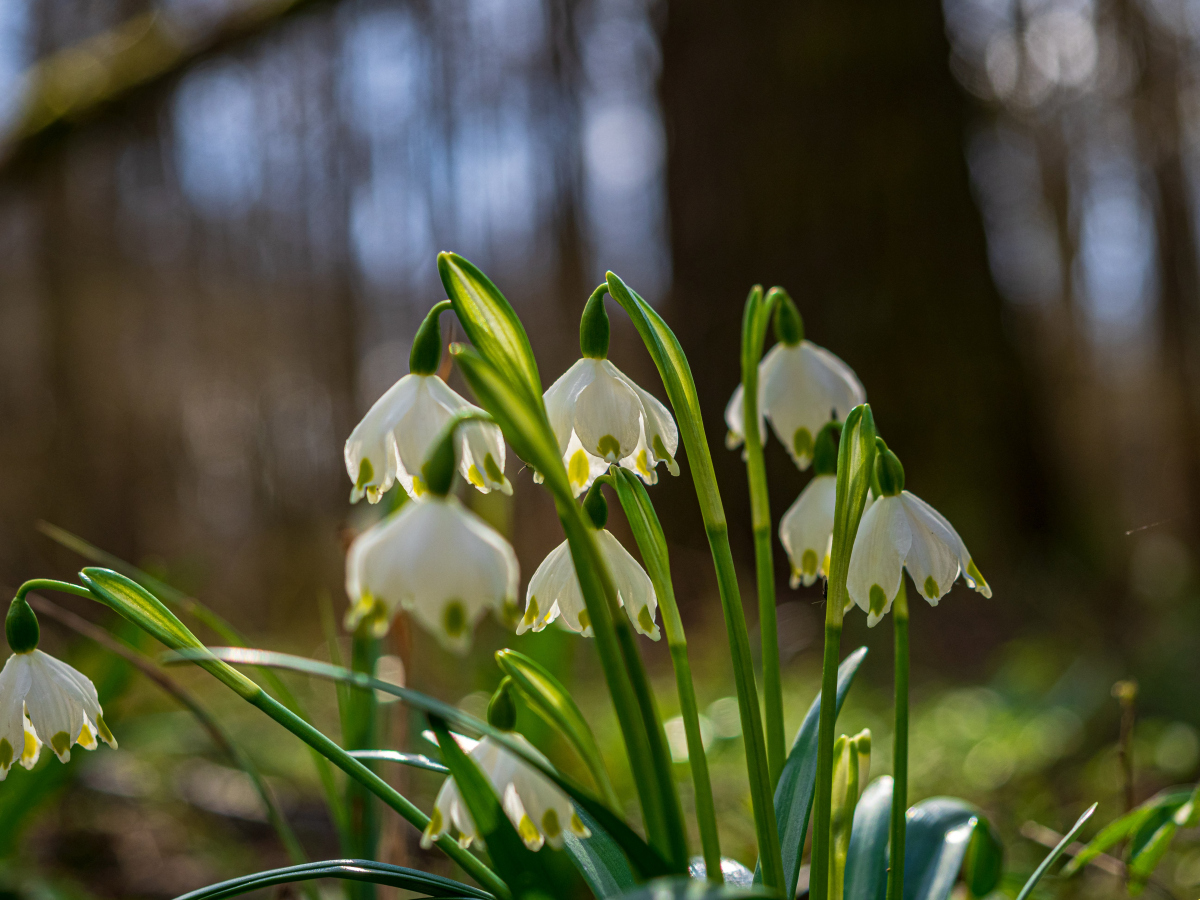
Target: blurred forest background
(218,228)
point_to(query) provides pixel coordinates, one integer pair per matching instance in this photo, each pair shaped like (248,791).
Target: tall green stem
(360,732)
(822,819)
(898,824)
(754,326)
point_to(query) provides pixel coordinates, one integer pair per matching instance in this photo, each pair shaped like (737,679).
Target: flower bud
(888,470)
(593,326)
(21,626)
(426,351)
(596,506)
(789,327)
(502,708)
(825,449)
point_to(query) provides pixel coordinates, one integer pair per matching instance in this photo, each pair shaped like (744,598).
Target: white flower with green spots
(437,560)
(43,698)
(600,416)
(800,388)
(538,810)
(806,530)
(554,591)
(394,438)
(901,531)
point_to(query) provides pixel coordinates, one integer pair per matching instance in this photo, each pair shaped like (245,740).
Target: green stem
(821,844)
(898,824)
(706,813)
(359,732)
(49,584)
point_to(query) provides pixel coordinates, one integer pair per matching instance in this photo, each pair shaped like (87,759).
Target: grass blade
(345,869)
(1056,853)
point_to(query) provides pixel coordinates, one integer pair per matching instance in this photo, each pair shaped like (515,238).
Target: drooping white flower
(396,435)
(437,560)
(538,810)
(901,531)
(43,697)
(800,388)
(806,530)
(554,591)
(600,416)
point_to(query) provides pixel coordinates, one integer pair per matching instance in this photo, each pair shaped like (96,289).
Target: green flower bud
(593,326)
(502,708)
(426,353)
(596,506)
(888,470)
(21,626)
(438,469)
(825,449)
(789,327)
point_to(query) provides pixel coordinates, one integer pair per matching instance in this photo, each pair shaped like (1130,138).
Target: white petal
(879,549)
(735,415)
(15,679)
(634,587)
(582,467)
(32,749)
(659,436)
(560,399)
(608,415)
(59,702)
(370,439)
(536,807)
(553,591)
(415,433)
(932,559)
(806,529)
(969,571)
(479,441)
(803,388)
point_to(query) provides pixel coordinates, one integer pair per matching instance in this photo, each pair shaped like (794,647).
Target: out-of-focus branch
(78,81)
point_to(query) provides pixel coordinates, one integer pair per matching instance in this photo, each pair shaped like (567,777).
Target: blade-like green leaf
(984,865)
(690,889)
(1055,853)
(867,861)
(413,760)
(599,859)
(797,782)
(1143,863)
(550,700)
(1120,829)
(346,870)
(643,857)
(522,869)
(489,321)
(938,832)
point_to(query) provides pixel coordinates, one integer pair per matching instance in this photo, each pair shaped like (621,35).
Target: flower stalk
(898,823)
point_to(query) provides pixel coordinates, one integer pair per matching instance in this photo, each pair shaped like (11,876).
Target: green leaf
(691,889)
(644,858)
(867,861)
(414,760)
(797,782)
(1119,829)
(599,859)
(938,832)
(550,700)
(1143,863)
(522,869)
(490,321)
(365,870)
(1056,853)
(984,865)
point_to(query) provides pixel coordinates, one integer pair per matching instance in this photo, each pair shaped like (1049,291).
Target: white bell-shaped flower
(800,388)
(554,591)
(43,697)
(396,435)
(806,530)
(437,560)
(600,416)
(538,810)
(901,531)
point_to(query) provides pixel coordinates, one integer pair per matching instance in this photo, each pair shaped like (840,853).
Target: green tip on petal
(877,600)
(802,444)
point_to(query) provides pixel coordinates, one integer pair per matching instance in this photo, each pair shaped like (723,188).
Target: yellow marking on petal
(61,743)
(86,738)
(577,826)
(454,618)
(550,826)
(825,563)
(436,823)
(975,575)
(493,470)
(419,486)
(585,621)
(808,562)
(660,449)
(878,600)
(105,734)
(645,620)
(609,448)
(931,588)
(802,442)
(6,753)
(578,469)
(531,611)
(366,474)
(32,750)
(642,463)
(528,832)
(474,477)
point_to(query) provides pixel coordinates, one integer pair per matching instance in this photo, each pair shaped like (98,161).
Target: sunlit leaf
(867,861)
(413,760)
(1055,853)
(937,835)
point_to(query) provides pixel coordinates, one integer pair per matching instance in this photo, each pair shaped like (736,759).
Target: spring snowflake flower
(554,591)
(396,435)
(600,416)
(901,531)
(806,530)
(536,807)
(43,697)
(437,560)
(800,387)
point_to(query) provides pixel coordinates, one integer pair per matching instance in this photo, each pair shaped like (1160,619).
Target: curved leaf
(346,870)
(1119,829)
(867,861)
(938,832)
(644,858)
(984,865)
(415,760)
(599,860)
(553,703)
(797,782)
(690,889)
(489,321)
(1056,853)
